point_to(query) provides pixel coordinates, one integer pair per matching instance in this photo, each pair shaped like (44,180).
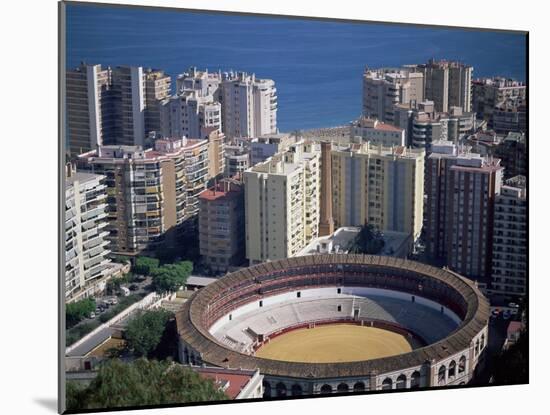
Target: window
(462,364)
(442,374)
(387,384)
(401,382)
(298,294)
(339,291)
(261,303)
(452,369)
(415,380)
(339,308)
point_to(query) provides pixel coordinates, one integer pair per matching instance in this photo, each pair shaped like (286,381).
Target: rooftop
(224,189)
(81,177)
(231,381)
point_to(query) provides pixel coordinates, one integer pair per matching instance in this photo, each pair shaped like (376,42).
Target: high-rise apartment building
(326,221)
(203,82)
(221,225)
(188,114)
(88,124)
(86,243)
(384,88)
(282,203)
(249,105)
(157,89)
(237,158)
(429,126)
(461,187)
(448,84)
(263,147)
(216,152)
(377,185)
(509,272)
(150,191)
(487,93)
(129,95)
(510,116)
(112,105)
(512,151)
(376,132)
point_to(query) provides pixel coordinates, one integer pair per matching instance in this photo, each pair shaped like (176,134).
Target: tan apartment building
(221,225)
(216,152)
(448,84)
(150,192)
(282,197)
(157,89)
(386,87)
(376,132)
(377,185)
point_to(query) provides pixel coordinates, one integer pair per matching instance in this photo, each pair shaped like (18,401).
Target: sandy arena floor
(335,343)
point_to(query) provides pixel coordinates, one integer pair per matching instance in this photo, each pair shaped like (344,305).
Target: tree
(369,240)
(78,311)
(171,277)
(145,330)
(142,382)
(511,367)
(145,265)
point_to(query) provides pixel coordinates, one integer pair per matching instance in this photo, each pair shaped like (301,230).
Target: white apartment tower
(249,105)
(86,244)
(282,203)
(189,114)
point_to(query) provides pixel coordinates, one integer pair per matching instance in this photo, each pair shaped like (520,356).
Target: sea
(317,65)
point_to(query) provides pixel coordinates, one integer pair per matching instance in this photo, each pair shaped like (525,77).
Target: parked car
(92,315)
(513,305)
(495,313)
(506,315)
(133,287)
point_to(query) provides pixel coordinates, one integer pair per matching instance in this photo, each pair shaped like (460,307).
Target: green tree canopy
(78,311)
(142,382)
(144,331)
(369,240)
(145,265)
(171,277)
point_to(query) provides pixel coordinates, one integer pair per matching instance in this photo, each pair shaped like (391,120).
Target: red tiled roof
(236,382)
(386,127)
(210,194)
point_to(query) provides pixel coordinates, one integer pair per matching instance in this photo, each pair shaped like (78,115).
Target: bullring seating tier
(429,324)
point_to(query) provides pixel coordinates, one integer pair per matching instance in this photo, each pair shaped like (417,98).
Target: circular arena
(325,324)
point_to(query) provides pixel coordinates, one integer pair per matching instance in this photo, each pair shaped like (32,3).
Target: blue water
(317,65)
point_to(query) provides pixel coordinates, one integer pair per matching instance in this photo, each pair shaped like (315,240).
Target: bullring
(227,322)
